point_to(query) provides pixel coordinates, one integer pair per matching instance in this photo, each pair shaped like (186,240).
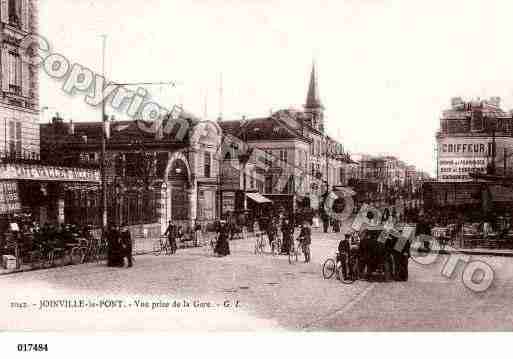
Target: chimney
(57,119)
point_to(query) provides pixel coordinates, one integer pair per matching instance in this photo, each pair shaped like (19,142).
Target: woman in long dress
(222,246)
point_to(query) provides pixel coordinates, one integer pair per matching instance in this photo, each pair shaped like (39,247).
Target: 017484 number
(32,347)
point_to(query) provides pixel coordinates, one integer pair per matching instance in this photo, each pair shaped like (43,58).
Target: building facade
(152,177)
(19,102)
(298,159)
(385,178)
(474,137)
(29,188)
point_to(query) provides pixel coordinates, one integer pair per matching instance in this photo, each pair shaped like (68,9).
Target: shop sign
(9,201)
(47,173)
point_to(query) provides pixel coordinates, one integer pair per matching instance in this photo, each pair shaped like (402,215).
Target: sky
(386,69)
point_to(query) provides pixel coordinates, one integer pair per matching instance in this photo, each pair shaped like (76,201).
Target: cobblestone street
(249,292)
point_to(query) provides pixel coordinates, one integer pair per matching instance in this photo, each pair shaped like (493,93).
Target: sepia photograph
(263,166)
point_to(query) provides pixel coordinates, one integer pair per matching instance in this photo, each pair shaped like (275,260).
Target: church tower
(313,106)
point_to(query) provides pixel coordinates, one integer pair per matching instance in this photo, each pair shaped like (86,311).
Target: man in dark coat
(171,237)
(114,250)
(344,248)
(222,245)
(126,243)
(325,221)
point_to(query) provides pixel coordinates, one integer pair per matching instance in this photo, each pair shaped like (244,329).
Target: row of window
(14,137)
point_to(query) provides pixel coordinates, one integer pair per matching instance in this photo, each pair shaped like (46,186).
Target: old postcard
(214,165)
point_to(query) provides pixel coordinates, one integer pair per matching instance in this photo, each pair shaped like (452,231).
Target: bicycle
(79,252)
(162,247)
(276,246)
(40,257)
(259,244)
(347,269)
(294,252)
(101,249)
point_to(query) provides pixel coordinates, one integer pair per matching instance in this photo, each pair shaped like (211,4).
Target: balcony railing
(19,157)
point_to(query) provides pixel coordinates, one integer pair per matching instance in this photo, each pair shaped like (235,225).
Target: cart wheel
(328,268)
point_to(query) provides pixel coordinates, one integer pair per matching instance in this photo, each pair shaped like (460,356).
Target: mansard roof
(263,128)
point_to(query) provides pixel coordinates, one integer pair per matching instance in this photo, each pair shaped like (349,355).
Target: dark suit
(115,258)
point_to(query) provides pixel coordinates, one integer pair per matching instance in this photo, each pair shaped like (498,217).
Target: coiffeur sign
(47,173)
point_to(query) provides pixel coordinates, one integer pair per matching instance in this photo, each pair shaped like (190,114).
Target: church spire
(312,98)
(313,106)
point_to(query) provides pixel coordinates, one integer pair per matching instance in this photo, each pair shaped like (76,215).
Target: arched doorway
(178,204)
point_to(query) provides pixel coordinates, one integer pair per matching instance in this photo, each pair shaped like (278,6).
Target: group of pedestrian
(119,246)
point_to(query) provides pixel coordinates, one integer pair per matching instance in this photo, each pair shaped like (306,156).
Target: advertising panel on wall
(459,156)
(9,199)
(458,168)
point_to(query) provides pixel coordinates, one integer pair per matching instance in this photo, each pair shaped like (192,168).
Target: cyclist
(305,239)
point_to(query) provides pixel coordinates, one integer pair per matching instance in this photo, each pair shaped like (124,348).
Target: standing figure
(305,239)
(272,232)
(171,239)
(126,243)
(325,221)
(114,250)
(256,230)
(222,245)
(336,225)
(197,234)
(287,230)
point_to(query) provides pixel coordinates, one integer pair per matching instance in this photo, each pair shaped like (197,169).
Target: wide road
(249,292)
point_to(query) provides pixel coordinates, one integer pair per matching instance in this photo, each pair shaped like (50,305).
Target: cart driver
(344,247)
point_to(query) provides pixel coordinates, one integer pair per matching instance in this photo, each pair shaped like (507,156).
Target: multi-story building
(474,159)
(382,177)
(28,187)
(474,137)
(19,100)
(298,152)
(152,177)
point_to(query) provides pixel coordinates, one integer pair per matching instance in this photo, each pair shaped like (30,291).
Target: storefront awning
(501,193)
(258,198)
(17,171)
